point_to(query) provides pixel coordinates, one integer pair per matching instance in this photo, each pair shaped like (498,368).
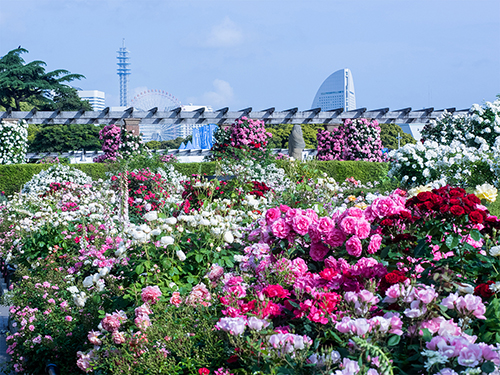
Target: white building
(187,129)
(337,91)
(96,98)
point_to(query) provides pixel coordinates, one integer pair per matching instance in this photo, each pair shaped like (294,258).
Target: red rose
(203,371)
(424,196)
(392,278)
(429,205)
(457,192)
(474,199)
(476,217)
(436,199)
(455,201)
(444,208)
(457,210)
(484,290)
(328,274)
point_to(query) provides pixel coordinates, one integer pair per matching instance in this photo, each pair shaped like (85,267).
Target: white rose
(228,237)
(181,255)
(167,240)
(151,216)
(171,221)
(88,282)
(495,251)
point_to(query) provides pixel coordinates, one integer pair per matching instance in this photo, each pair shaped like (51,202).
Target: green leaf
(427,336)
(384,252)
(476,236)
(139,269)
(199,258)
(452,241)
(420,249)
(393,340)
(488,367)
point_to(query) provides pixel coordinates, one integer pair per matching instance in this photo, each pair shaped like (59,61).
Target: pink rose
(362,228)
(325,225)
(375,242)
(280,228)
(335,238)
(118,337)
(299,267)
(470,356)
(150,294)
(348,224)
(318,252)
(382,207)
(110,323)
(272,215)
(300,224)
(176,299)
(353,246)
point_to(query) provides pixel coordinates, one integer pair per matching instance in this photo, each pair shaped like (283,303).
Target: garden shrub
(389,134)
(13,142)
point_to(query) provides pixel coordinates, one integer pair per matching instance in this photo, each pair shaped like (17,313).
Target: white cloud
(225,34)
(221,96)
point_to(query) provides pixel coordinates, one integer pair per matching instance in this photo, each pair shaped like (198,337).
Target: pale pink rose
(176,299)
(344,326)
(93,338)
(470,356)
(375,242)
(362,228)
(436,342)
(142,321)
(325,225)
(489,353)
(368,297)
(257,324)
(415,310)
(143,310)
(300,224)
(426,295)
(393,293)
(150,294)
(318,252)
(280,228)
(450,301)
(471,303)
(118,337)
(272,215)
(68,318)
(360,326)
(335,238)
(215,273)
(351,297)
(396,325)
(353,246)
(110,323)
(449,327)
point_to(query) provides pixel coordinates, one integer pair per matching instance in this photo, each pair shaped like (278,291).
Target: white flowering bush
(480,126)
(249,170)
(457,164)
(57,173)
(13,142)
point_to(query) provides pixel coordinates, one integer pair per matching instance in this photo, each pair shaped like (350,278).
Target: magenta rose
(375,243)
(349,224)
(362,228)
(314,233)
(353,246)
(272,215)
(280,228)
(382,207)
(325,225)
(318,252)
(300,224)
(335,238)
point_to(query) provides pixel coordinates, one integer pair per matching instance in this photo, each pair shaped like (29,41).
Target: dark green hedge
(13,177)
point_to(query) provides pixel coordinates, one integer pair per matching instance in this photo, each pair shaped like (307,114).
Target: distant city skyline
(274,53)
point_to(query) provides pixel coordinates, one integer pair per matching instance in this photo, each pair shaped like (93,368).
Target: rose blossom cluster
(249,133)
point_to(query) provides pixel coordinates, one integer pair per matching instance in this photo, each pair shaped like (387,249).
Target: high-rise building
(337,91)
(123,73)
(96,98)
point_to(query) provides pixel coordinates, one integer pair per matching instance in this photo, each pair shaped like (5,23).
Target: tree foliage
(282,132)
(389,134)
(172,144)
(63,138)
(28,82)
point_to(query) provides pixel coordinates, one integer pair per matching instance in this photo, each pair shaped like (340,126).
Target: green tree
(62,138)
(21,82)
(66,99)
(282,132)
(389,134)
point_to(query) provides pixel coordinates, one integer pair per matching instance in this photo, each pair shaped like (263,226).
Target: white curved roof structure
(337,91)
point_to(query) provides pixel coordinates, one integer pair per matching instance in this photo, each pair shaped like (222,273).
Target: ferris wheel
(164,101)
(149,99)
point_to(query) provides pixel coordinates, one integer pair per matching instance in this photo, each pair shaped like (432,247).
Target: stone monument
(296,143)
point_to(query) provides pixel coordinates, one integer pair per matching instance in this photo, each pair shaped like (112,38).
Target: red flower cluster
(449,201)
(193,195)
(259,188)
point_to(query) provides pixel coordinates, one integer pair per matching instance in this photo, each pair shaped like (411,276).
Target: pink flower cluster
(150,294)
(246,132)
(112,322)
(389,323)
(357,139)
(111,137)
(469,304)
(287,343)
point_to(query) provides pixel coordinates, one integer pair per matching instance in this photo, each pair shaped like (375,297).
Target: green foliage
(188,169)
(14,176)
(389,134)
(66,99)
(63,138)
(172,144)
(33,129)
(20,82)
(282,132)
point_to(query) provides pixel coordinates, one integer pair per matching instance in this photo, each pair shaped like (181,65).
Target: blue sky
(269,53)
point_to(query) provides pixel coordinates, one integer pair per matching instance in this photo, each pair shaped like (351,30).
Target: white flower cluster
(13,142)
(456,164)
(479,127)
(40,183)
(173,177)
(248,170)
